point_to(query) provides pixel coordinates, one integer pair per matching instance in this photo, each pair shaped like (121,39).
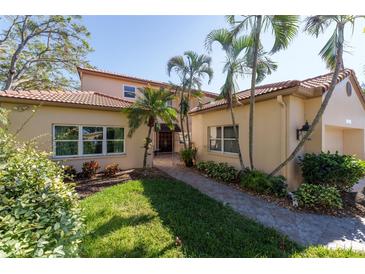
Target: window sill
(223,154)
(78,157)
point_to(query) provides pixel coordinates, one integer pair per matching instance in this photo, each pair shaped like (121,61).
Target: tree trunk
(147,145)
(317,118)
(253,87)
(187,115)
(182,118)
(236,138)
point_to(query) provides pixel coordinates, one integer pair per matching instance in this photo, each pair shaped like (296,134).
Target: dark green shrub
(328,169)
(69,172)
(261,182)
(89,169)
(39,214)
(188,156)
(318,197)
(111,170)
(218,171)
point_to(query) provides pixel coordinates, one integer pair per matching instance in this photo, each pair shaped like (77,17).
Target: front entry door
(165,141)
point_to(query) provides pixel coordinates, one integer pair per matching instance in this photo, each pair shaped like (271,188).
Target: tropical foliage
(219,171)
(332,169)
(190,68)
(39,214)
(41,52)
(318,197)
(237,65)
(284,29)
(149,109)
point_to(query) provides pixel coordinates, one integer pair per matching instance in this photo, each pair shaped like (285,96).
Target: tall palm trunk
(147,145)
(182,118)
(187,115)
(236,138)
(253,87)
(317,118)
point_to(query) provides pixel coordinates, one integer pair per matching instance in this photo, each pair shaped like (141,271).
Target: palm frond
(284,28)
(222,36)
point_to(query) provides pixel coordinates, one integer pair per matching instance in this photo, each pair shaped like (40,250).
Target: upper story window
(129,91)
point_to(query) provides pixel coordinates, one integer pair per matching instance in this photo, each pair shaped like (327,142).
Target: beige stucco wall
(113,86)
(346,114)
(276,122)
(40,125)
(267,136)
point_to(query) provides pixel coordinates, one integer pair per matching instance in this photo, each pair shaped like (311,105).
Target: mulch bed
(353,203)
(87,187)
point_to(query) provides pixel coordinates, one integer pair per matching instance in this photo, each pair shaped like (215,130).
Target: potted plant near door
(188,155)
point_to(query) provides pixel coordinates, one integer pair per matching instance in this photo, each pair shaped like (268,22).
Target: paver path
(304,228)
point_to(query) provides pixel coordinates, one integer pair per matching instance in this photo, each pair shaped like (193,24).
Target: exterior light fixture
(305,128)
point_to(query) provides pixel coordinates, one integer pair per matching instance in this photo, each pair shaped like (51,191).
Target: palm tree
(235,66)
(191,69)
(284,29)
(331,53)
(148,109)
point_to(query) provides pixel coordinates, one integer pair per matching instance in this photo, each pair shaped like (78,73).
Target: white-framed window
(77,140)
(221,139)
(169,103)
(129,91)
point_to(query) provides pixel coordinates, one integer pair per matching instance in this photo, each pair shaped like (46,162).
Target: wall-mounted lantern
(305,128)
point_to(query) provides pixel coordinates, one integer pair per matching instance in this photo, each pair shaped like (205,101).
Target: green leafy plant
(111,170)
(70,172)
(89,169)
(317,197)
(328,169)
(218,171)
(261,182)
(188,155)
(39,214)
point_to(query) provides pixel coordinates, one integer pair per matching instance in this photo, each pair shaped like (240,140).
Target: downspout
(283,133)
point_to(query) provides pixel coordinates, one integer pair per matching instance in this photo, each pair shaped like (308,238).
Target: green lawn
(143,218)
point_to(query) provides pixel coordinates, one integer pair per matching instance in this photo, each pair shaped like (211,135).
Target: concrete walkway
(304,228)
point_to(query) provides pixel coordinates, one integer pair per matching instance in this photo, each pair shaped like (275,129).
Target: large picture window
(66,139)
(87,140)
(222,139)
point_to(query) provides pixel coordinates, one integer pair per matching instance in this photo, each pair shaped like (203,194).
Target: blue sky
(141,46)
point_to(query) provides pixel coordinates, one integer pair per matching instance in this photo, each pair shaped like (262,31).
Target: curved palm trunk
(253,87)
(147,145)
(236,138)
(317,118)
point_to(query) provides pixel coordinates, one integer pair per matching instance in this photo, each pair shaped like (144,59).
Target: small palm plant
(148,109)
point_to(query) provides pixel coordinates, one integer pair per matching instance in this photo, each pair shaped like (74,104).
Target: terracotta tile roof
(88,98)
(145,81)
(321,81)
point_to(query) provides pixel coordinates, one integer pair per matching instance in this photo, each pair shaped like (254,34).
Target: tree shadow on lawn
(117,222)
(207,228)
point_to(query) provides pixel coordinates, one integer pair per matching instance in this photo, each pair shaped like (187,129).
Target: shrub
(218,171)
(188,156)
(317,197)
(69,172)
(340,171)
(39,214)
(111,170)
(260,182)
(89,169)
